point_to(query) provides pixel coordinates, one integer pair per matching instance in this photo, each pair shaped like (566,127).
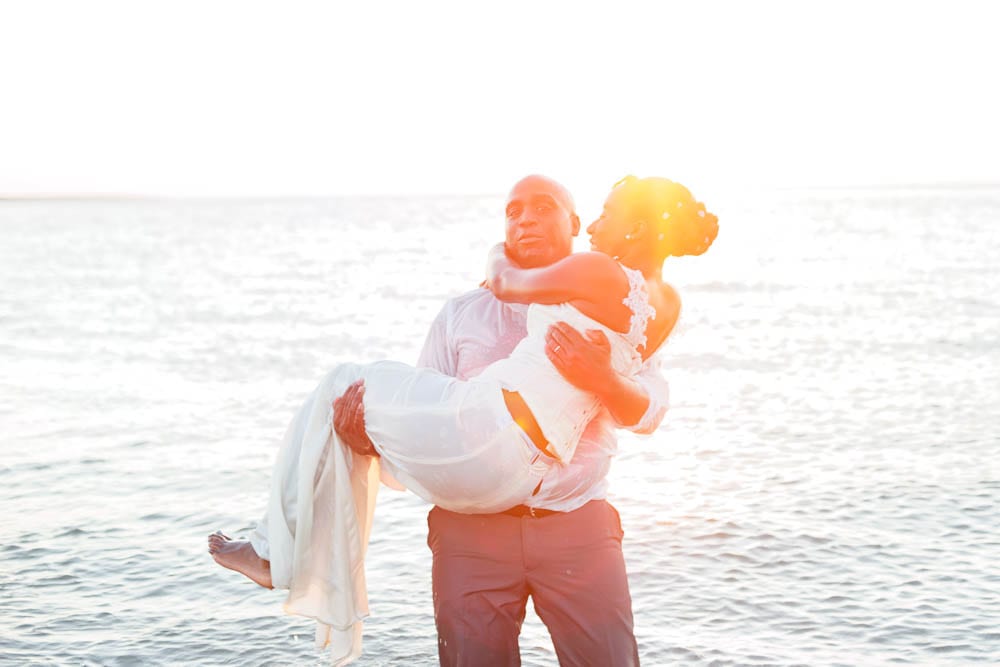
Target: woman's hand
(349,420)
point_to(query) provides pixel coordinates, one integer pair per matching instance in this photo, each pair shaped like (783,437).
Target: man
(562,547)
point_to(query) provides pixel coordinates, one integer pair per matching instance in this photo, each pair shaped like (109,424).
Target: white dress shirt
(474,330)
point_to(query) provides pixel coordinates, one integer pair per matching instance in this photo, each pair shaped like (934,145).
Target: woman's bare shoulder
(670,295)
(667,303)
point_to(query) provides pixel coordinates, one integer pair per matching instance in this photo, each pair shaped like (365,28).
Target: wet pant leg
(480,591)
(571,564)
(577,580)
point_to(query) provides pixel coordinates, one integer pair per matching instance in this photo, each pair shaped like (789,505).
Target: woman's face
(607,233)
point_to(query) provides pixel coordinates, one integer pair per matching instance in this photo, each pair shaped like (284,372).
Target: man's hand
(349,420)
(584,361)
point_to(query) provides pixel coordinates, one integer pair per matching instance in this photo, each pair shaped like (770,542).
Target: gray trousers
(571,565)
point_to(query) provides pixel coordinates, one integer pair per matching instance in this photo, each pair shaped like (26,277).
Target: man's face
(541,222)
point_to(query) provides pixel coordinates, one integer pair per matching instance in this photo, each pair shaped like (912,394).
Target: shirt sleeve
(438,352)
(650,377)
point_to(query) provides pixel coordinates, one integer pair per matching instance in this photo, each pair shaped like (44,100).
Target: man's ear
(575,221)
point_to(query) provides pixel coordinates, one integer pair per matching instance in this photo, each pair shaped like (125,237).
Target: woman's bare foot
(239,555)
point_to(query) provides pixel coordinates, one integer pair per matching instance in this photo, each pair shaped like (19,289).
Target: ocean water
(824,491)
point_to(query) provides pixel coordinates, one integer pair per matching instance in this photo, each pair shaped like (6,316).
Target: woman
(484,444)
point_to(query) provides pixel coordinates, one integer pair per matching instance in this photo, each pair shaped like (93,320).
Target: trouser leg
(576,575)
(480,593)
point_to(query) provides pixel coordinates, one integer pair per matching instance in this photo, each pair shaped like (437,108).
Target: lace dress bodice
(561,410)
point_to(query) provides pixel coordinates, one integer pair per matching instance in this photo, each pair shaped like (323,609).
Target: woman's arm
(587,276)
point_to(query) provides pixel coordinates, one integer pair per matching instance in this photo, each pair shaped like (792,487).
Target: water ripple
(823,492)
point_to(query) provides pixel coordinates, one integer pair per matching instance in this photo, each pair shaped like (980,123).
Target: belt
(533,512)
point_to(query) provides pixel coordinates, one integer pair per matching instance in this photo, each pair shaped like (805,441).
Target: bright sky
(325,98)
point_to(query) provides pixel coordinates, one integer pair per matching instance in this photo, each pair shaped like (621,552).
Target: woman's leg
(452,443)
(455,444)
(304,455)
(239,555)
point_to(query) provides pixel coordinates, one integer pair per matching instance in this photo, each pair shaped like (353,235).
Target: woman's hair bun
(681,224)
(695,233)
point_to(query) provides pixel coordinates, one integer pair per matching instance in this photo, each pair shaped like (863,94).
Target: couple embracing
(506,425)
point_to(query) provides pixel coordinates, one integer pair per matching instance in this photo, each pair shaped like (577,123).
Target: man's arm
(651,379)
(349,409)
(437,352)
(638,404)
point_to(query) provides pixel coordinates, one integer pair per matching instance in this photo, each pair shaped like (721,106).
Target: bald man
(562,546)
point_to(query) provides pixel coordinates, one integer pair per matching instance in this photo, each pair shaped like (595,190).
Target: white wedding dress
(453,443)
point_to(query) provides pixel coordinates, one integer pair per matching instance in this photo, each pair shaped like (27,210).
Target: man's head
(541,221)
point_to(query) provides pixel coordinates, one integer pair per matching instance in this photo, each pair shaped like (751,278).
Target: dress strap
(638,302)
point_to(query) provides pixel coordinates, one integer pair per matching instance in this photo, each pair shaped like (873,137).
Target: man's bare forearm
(625,399)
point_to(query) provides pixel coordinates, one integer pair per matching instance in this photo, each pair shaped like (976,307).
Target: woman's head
(652,219)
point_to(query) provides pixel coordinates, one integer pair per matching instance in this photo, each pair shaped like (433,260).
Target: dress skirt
(451,442)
